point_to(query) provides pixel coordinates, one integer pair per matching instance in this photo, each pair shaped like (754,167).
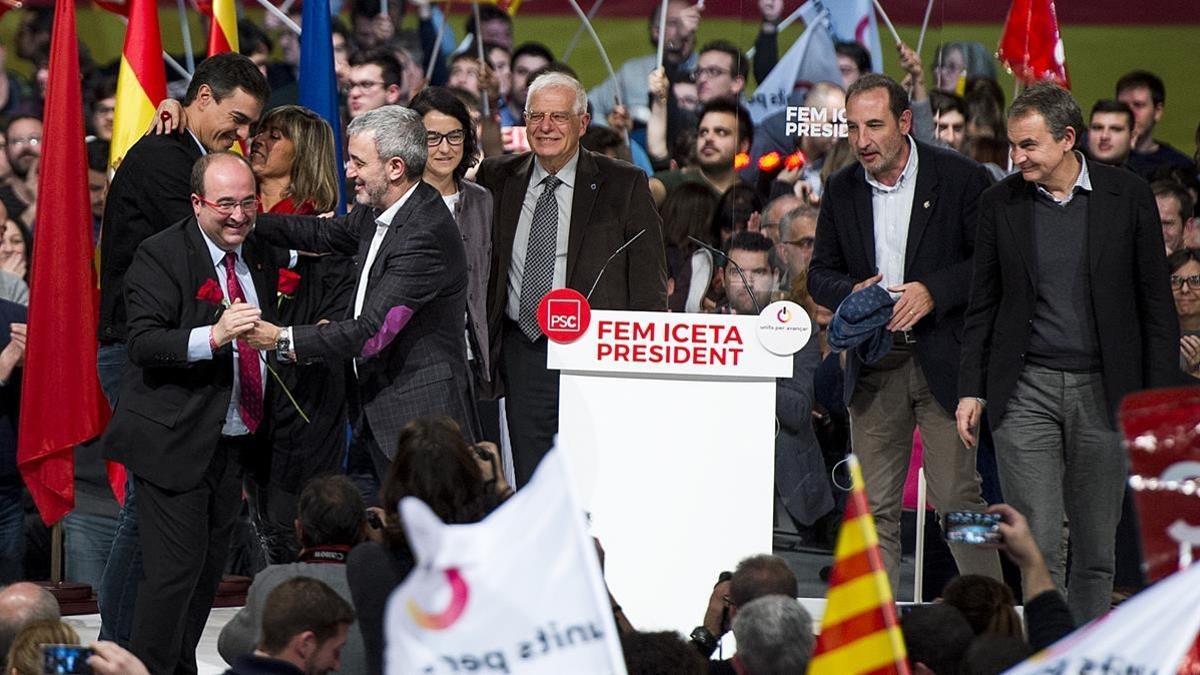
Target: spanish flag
(142,80)
(860,634)
(222,31)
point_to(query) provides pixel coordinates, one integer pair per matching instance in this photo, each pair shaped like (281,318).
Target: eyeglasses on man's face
(559,118)
(226,207)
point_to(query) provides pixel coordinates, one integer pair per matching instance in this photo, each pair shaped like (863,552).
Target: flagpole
(599,45)
(186,32)
(279,14)
(437,43)
(924,25)
(478,37)
(595,9)
(887,21)
(662,31)
(919,561)
(791,19)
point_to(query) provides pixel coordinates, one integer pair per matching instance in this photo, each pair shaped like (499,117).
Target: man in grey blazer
(405,329)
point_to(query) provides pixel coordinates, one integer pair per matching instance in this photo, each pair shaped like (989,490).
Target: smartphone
(65,659)
(970,527)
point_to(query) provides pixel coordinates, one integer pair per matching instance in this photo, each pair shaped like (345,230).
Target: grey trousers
(1058,454)
(890,399)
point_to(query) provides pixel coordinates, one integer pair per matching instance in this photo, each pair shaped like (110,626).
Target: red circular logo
(564,315)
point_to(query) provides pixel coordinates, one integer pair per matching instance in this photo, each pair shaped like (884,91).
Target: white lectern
(668,421)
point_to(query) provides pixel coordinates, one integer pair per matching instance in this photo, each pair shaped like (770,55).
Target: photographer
(331,520)
(755,577)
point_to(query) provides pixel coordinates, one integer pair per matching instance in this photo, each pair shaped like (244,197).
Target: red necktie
(250,402)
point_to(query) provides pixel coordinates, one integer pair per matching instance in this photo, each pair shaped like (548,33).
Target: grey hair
(774,635)
(559,80)
(398,132)
(789,219)
(1056,106)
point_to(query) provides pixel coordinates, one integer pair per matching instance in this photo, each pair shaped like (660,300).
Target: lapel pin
(593,186)
(926,204)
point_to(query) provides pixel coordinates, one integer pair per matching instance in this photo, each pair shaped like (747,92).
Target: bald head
(21,604)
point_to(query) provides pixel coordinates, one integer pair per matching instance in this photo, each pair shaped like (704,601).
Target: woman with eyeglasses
(1185,287)
(452,144)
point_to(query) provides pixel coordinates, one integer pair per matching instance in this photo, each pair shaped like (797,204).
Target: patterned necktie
(538,277)
(250,402)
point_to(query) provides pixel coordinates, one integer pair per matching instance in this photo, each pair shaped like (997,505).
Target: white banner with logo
(520,592)
(1149,633)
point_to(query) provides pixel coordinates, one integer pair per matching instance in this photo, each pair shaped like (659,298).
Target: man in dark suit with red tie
(560,213)
(191,402)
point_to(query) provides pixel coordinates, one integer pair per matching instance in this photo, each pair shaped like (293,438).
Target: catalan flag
(222,31)
(142,80)
(860,634)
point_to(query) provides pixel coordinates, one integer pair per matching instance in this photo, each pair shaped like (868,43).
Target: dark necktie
(538,277)
(250,403)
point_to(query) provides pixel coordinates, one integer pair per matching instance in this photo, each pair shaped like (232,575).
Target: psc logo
(564,315)
(459,592)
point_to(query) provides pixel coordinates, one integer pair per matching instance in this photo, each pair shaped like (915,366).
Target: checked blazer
(408,343)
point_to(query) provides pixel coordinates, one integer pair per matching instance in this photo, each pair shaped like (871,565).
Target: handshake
(243,321)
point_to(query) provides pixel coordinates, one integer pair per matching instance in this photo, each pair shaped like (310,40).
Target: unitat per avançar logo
(459,592)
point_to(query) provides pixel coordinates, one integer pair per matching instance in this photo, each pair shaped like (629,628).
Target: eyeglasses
(1193,282)
(434,139)
(365,85)
(226,207)
(559,118)
(32,141)
(710,71)
(803,242)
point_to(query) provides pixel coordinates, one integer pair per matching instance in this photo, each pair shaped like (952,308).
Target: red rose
(288,282)
(210,292)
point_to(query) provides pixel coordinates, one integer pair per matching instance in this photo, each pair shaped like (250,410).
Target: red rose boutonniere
(286,286)
(210,292)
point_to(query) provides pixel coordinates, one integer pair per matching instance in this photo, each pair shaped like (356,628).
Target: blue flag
(319,92)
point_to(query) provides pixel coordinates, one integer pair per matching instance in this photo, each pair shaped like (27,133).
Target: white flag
(810,59)
(519,592)
(1149,633)
(854,21)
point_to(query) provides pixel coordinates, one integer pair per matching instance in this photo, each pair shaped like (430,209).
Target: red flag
(1031,47)
(61,401)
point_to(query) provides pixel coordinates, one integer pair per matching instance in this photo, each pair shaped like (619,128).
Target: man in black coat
(560,213)
(1071,310)
(149,193)
(904,216)
(191,402)
(405,328)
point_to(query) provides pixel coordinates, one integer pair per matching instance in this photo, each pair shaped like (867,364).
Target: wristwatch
(706,643)
(283,346)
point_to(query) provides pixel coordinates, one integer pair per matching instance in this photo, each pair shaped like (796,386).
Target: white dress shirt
(198,348)
(891,208)
(381,227)
(565,196)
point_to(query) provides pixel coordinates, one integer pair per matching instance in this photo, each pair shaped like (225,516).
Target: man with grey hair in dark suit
(560,213)
(405,329)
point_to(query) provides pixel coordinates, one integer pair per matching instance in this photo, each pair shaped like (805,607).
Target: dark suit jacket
(10,399)
(1131,294)
(611,204)
(473,213)
(941,238)
(412,356)
(150,190)
(170,413)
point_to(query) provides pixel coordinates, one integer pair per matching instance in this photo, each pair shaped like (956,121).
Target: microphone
(731,261)
(610,259)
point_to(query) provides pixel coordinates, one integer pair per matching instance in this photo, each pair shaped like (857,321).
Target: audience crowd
(330,365)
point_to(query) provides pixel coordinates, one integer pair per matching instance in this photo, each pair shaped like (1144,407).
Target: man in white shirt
(904,217)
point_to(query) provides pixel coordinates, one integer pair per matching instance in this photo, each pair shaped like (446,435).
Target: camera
(65,659)
(970,527)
